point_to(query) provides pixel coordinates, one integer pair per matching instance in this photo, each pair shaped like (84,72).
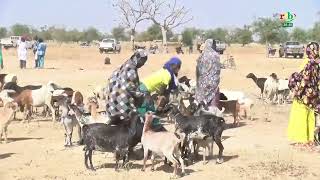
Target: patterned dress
(208,75)
(123,92)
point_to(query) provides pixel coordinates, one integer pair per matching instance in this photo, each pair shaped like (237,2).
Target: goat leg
(145,157)
(86,156)
(90,159)
(5,134)
(152,161)
(1,134)
(217,138)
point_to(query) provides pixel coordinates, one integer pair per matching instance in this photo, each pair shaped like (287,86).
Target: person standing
(35,47)
(41,52)
(22,53)
(305,87)
(1,57)
(208,75)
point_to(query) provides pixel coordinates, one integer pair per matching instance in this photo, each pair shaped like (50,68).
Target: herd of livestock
(195,125)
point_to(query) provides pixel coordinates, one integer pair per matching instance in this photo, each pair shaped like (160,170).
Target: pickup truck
(13,41)
(109,45)
(291,48)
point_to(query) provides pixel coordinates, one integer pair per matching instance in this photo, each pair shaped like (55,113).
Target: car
(109,45)
(291,48)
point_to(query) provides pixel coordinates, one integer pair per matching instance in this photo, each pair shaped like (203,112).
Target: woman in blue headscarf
(160,82)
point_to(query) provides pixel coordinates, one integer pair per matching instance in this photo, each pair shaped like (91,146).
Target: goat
(161,143)
(36,98)
(69,121)
(103,137)
(6,78)
(258,81)
(245,103)
(19,89)
(6,115)
(208,123)
(232,107)
(270,90)
(283,92)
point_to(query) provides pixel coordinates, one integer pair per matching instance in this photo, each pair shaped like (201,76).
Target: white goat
(283,91)
(271,88)
(162,144)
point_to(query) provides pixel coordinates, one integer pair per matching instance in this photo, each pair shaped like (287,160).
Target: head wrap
(168,66)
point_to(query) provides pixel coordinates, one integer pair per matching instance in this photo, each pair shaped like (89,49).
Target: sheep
(6,115)
(259,82)
(161,143)
(110,138)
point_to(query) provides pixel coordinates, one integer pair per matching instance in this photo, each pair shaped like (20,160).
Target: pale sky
(100,13)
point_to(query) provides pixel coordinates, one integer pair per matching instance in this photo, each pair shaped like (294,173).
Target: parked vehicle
(291,48)
(13,41)
(109,45)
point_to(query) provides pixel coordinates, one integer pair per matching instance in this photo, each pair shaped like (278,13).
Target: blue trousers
(40,62)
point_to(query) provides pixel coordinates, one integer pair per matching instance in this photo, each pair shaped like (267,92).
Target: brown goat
(232,107)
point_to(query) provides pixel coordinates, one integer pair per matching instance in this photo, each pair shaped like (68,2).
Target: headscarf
(312,50)
(208,73)
(123,88)
(168,66)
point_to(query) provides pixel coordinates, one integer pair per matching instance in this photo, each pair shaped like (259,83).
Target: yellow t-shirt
(157,80)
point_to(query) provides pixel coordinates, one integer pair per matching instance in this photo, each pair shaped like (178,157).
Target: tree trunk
(132,37)
(164,39)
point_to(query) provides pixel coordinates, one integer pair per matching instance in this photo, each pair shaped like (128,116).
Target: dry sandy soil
(257,149)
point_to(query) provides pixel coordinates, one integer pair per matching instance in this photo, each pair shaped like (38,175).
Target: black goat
(118,139)
(209,125)
(258,81)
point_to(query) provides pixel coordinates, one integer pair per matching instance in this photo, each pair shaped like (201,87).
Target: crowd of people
(39,52)
(127,93)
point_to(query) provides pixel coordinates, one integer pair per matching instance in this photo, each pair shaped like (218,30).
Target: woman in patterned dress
(305,87)
(208,75)
(123,94)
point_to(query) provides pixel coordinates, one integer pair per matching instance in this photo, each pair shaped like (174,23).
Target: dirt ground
(258,149)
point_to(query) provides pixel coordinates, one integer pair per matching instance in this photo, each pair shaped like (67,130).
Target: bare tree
(168,15)
(132,12)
